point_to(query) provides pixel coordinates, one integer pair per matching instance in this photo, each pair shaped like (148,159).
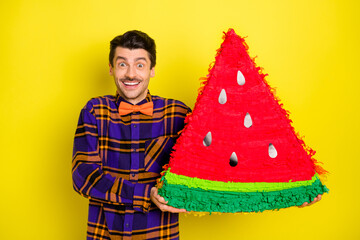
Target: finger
(173,209)
(316,199)
(167,208)
(160,199)
(157,197)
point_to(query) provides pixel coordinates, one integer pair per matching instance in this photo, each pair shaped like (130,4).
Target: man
(121,144)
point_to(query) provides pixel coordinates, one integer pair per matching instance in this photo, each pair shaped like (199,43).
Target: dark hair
(134,40)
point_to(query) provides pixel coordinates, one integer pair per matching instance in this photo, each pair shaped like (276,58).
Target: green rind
(175,179)
(200,200)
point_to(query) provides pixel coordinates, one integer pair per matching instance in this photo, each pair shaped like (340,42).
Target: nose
(131,72)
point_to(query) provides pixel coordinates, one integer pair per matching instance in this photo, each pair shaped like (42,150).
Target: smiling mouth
(131,84)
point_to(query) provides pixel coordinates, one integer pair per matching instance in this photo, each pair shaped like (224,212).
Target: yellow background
(54,58)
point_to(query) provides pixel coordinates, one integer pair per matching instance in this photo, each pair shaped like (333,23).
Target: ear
(111,71)
(152,72)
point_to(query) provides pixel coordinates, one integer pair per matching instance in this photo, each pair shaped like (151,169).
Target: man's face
(132,73)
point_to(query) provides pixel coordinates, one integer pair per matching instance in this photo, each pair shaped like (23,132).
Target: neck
(133,101)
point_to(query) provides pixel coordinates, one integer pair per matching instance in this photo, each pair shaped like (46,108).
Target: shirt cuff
(141,200)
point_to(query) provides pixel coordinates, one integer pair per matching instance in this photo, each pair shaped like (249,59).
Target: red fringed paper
(271,125)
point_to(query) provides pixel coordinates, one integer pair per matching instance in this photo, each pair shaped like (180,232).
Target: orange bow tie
(146,108)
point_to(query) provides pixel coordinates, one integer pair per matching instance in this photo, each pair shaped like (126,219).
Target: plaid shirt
(116,161)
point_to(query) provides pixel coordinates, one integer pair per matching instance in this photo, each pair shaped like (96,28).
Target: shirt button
(133,150)
(133,174)
(127,225)
(134,126)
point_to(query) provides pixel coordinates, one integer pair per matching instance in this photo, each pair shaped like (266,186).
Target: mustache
(130,79)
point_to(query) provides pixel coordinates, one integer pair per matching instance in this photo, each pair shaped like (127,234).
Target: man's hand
(305,204)
(161,203)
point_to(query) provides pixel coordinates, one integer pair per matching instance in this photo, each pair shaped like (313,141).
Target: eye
(122,64)
(140,65)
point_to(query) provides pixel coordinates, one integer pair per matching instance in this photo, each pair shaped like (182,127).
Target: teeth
(131,83)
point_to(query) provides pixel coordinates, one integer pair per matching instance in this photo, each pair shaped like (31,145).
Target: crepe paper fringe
(199,200)
(175,179)
(201,214)
(272,91)
(159,181)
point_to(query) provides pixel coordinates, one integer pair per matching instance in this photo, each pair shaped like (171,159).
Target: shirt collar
(119,99)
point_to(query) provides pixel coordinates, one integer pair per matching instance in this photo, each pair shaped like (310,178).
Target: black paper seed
(207,139)
(233,159)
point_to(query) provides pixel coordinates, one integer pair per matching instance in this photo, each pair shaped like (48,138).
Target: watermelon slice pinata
(238,151)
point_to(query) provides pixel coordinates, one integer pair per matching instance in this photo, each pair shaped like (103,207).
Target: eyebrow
(136,59)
